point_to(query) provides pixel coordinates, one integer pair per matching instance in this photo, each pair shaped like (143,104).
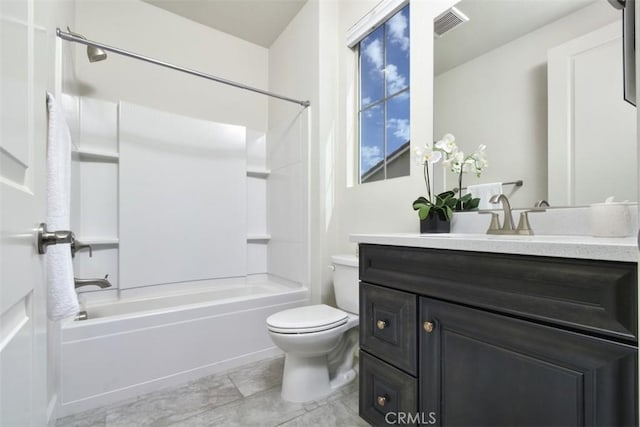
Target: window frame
(391,8)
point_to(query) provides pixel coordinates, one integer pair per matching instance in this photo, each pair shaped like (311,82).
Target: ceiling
(257,21)
(494,23)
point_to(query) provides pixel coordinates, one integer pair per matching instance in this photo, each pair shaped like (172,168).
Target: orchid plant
(452,157)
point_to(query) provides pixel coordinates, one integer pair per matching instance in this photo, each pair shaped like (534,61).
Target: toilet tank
(345,282)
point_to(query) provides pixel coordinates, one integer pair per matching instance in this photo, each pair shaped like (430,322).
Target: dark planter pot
(435,224)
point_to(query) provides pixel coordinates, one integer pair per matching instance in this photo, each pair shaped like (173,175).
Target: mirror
(540,83)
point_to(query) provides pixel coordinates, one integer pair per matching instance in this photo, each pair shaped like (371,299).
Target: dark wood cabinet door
(388,325)
(483,369)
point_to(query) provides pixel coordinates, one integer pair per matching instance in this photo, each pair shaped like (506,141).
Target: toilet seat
(306,320)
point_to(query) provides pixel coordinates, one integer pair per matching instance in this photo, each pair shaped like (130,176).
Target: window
(384,100)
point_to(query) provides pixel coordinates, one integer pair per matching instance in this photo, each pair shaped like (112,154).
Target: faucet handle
(78,246)
(494,225)
(524,227)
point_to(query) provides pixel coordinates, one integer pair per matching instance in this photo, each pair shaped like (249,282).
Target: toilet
(319,341)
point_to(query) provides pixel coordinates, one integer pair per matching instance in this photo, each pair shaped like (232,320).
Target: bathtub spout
(102,283)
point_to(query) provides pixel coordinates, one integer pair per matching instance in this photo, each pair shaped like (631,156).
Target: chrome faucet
(102,283)
(507,222)
(524,228)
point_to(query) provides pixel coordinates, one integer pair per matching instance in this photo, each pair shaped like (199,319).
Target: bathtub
(139,344)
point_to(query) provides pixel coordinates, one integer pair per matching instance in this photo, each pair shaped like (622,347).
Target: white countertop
(582,247)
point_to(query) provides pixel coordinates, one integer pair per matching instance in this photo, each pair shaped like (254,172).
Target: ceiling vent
(448,20)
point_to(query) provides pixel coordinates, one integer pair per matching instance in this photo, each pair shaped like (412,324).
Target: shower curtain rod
(72,38)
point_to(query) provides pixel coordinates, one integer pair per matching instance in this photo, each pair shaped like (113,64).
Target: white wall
(385,206)
(342,207)
(293,71)
(500,99)
(311,60)
(142,28)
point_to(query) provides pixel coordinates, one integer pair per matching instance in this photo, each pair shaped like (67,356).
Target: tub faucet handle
(77,246)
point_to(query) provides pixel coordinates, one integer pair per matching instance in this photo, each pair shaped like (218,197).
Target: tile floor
(245,396)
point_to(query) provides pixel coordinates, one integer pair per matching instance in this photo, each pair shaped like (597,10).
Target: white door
(23,376)
(585,78)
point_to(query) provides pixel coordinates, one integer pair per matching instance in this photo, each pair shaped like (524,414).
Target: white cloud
(395,81)
(397,27)
(370,156)
(366,101)
(401,128)
(373,52)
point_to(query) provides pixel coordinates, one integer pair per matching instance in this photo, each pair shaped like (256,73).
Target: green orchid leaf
(465,198)
(472,204)
(424,212)
(421,199)
(419,205)
(446,194)
(451,202)
(448,213)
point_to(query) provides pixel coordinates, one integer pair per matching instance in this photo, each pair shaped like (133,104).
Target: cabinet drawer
(596,297)
(385,390)
(388,325)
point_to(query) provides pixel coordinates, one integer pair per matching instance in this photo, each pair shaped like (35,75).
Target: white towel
(62,300)
(484,192)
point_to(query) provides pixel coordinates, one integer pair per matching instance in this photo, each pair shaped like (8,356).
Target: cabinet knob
(381,400)
(381,324)
(428,326)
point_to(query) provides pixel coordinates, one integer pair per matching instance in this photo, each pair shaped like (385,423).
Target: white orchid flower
(418,154)
(447,144)
(455,161)
(479,159)
(432,156)
(426,155)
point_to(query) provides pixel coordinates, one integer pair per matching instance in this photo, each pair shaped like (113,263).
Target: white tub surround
(138,345)
(182,199)
(143,179)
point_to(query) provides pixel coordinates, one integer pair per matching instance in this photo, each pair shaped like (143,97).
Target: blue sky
(383,77)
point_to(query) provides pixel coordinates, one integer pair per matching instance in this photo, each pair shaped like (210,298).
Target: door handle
(46,237)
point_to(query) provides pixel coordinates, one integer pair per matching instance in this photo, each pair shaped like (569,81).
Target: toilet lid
(312,318)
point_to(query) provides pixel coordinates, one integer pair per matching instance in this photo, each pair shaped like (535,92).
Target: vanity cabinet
(473,338)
